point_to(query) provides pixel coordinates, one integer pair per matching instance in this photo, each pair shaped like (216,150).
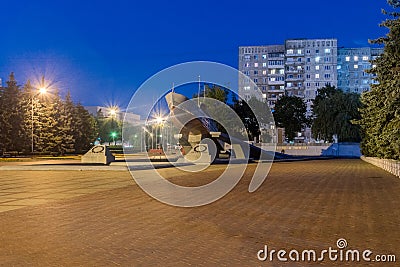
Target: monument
(99,154)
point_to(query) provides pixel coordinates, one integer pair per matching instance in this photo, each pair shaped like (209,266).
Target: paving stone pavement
(95,218)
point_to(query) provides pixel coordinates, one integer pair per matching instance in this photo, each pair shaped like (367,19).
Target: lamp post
(42,91)
(113,111)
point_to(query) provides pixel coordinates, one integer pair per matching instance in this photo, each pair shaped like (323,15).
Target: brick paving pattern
(104,219)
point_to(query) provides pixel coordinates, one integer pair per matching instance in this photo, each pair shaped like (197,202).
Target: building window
(289,51)
(264,72)
(264,64)
(308,51)
(299,51)
(308,76)
(246,88)
(246,65)
(317,59)
(327,50)
(281,71)
(327,67)
(317,51)
(247,57)
(256,57)
(355,66)
(365,58)
(317,76)
(256,65)
(264,56)
(327,76)
(347,59)
(327,59)
(256,72)
(317,67)
(316,84)
(307,67)
(255,80)
(299,59)
(308,59)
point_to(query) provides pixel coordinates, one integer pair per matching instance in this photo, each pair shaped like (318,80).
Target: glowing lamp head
(159,120)
(42,90)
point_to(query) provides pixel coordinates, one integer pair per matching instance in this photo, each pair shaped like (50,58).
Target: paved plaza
(102,218)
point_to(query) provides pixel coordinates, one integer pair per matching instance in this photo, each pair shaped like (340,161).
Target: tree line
(32,121)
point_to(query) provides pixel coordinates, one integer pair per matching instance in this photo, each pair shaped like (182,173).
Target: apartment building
(352,66)
(299,67)
(265,66)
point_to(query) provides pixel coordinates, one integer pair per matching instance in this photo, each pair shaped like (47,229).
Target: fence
(388,165)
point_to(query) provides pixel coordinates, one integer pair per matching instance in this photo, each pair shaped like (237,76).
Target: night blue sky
(103,50)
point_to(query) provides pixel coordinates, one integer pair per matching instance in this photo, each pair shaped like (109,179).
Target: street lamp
(42,90)
(113,112)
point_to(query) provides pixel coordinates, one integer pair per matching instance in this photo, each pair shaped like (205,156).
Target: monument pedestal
(98,154)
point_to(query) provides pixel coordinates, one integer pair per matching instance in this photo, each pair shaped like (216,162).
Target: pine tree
(380,115)
(11,117)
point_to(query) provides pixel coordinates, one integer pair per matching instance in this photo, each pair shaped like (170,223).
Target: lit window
(317,76)
(298,67)
(272,79)
(246,88)
(273,71)
(338,67)
(264,72)
(355,58)
(264,56)
(289,51)
(299,51)
(264,64)
(256,64)
(317,59)
(347,58)
(247,65)
(281,71)
(365,58)
(317,67)
(356,66)
(327,50)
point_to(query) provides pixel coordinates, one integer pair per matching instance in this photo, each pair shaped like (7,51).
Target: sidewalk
(98,218)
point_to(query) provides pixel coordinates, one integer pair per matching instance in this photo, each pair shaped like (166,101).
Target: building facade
(265,68)
(299,68)
(352,66)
